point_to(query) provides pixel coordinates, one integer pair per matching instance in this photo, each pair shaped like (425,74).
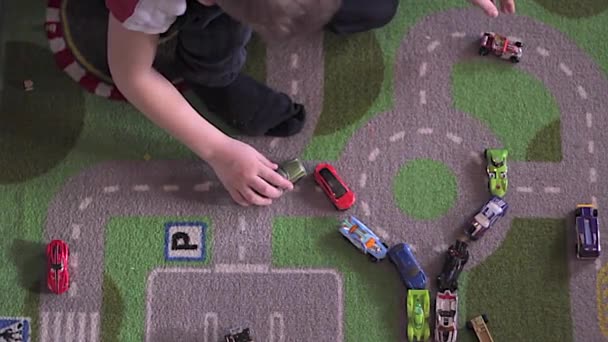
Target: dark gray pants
(211,52)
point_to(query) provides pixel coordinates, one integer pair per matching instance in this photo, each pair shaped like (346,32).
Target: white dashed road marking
(422,69)
(476,157)
(524,189)
(590,146)
(363,180)
(365,207)
(94,326)
(294,87)
(242,224)
(454,138)
(57,325)
(423,97)
(552,190)
(294,60)
(542,51)
(73,290)
(563,67)
(458,34)
(241,268)
(397,136)
(374,154)
(594,200)
(277,322)
(141,187)
(581,92)
(170,188)
(274,142)
(82,323)
(202,187)
(241,252)
(110,189)
(76,231)
(589,118)
(69,327)
(432,46)
(425,130)
(44,327)
(85,203)
(210,332)
(592,175)
(74,260)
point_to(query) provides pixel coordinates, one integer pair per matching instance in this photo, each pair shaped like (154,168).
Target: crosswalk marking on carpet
(61,327)
(279,325)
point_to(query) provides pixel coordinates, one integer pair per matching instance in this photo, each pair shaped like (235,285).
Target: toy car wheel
(514,59)
(483,51)
(578,212)
(594,212)
(373,258)
(485,317)
(519,44)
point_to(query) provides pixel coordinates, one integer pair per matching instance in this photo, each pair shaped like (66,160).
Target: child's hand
(248,176)
(489,7)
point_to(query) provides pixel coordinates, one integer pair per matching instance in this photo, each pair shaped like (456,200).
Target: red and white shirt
(148,16)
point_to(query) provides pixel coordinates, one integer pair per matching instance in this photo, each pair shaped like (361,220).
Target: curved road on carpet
(414,128)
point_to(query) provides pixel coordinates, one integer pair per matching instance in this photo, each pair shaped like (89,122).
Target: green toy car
(497,171)
(418,312)
(292,170)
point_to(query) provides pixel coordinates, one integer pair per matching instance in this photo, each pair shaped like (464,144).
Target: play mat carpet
(160,253)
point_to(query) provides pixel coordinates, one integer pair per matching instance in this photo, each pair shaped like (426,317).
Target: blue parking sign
(14,329)
(185,241)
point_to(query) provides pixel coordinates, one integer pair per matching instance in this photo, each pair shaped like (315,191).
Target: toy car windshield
(57,267)
(333,183)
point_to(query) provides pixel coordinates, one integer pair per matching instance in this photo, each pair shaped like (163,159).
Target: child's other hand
(247,175)
(489,6)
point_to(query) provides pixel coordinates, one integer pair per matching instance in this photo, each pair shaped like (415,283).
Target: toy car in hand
(58,275)
(446,316)
(457,256)
(293,170)
(587,232)
(363,238)
(501,46)
(333,186)
(418,312)
(491,212)
(497,171)
(409,269)
(238,335)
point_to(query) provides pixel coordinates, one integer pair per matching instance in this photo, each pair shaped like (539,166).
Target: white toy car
(446,316)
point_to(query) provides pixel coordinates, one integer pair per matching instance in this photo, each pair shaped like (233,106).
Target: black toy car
(456,257)
(238,335)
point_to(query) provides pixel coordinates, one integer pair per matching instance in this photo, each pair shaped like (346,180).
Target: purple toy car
(587,232)
(487,217)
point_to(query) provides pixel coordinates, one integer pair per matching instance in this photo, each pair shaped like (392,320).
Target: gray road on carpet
(414,128)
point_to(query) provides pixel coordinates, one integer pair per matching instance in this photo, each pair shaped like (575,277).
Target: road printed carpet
(159,252)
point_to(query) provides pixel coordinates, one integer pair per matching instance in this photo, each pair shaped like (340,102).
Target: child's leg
(361,15)
(211,52)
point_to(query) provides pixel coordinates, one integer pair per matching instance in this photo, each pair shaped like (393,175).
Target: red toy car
(334,187)
(500,46)
(58,277)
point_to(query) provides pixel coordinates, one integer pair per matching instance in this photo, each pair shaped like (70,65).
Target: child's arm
(240,167)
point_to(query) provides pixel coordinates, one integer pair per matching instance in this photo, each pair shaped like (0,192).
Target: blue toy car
(409,269)
(487,217)
(363,238)
(587,232)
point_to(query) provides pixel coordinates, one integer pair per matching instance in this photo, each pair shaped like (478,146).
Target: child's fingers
(508,6)
(487,6)
(267,162)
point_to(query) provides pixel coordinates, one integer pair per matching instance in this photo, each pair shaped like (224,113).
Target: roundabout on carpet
(425,189)
(77,33)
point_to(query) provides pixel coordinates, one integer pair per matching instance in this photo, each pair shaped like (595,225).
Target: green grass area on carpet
(530,129)
(523,285)
(128,260)
(372,292)
(425,189)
